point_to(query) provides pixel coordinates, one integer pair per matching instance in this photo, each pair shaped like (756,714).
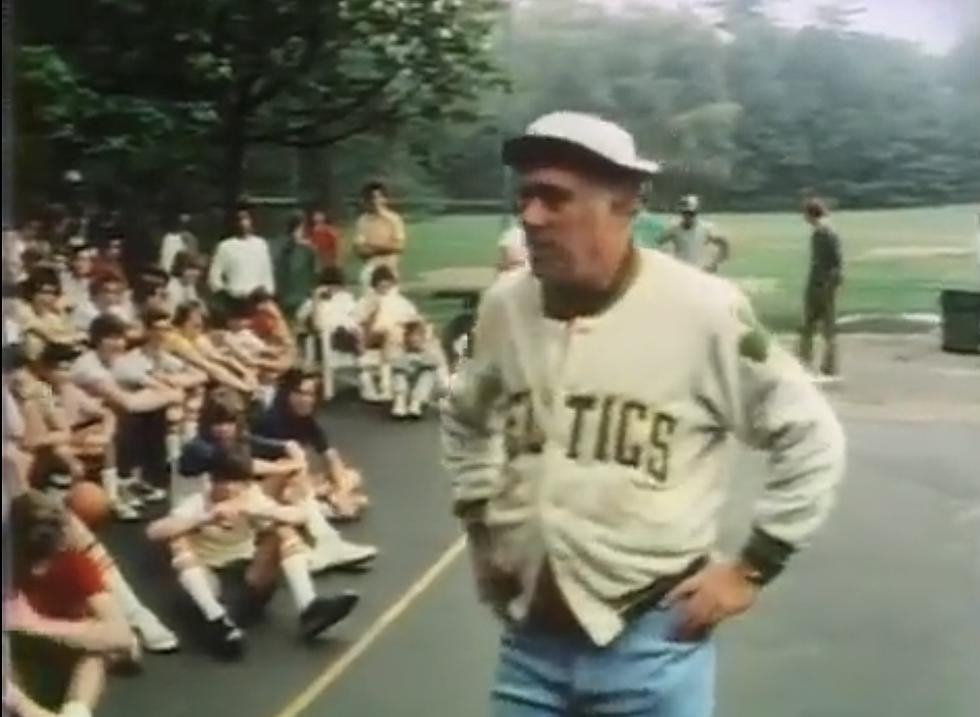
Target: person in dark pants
(820,297)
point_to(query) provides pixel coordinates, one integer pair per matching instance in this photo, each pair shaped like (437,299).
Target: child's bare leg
(86,688)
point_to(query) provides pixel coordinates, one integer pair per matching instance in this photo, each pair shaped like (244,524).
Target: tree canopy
(171,99)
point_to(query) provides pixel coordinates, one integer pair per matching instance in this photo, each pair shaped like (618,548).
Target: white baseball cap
(598,137)
(689,204)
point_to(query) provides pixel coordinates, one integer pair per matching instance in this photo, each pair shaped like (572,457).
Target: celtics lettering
(605,429)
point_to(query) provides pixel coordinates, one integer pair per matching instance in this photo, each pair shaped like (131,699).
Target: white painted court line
(335,671)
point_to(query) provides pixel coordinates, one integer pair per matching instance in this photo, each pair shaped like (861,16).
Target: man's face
(111,348)
(156,331)
(415,340)
(114,249)
(319,218)
(377,200)
(191,275)
(577,230)
(81,263)
(46,298)
(111,294)
(384,286)
(195,323)
(688,219)
(244,223)
(302,400)
(224,432)
(157,299)
(58,374)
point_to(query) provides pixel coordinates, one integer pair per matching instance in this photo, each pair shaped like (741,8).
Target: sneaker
(340,554)
(325,612)
(225,637)
(154,635)
(128,495)
(398,407)
(125,511)
(149,493)
(369,391)
(60,480)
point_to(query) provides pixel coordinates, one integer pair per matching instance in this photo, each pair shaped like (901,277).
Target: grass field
(896,260)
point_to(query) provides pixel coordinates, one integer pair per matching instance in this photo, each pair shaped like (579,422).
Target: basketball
(90,503)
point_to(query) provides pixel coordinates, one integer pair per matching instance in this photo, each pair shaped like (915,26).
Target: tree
(231,74)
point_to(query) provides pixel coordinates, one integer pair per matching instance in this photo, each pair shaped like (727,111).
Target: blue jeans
(643,673)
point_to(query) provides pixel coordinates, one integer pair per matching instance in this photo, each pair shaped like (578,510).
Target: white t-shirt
(134,368)
(328,315)
(180,293)
(241,265)
(90,373)
(86,312)
(75,290)
(173,243)
(393,310)
(219,545)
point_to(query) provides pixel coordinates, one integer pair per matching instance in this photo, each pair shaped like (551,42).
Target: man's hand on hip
(720,591)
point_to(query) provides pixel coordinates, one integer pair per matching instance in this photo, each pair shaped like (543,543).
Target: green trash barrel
(961,321)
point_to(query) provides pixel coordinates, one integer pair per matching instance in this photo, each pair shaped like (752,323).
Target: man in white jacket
(590,441)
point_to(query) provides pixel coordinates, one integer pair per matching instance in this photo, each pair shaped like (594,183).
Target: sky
(934,24)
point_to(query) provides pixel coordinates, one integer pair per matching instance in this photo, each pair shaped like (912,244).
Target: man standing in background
(694,240)
(648,228)
(380,239)
(178,238)
(325,238)
(297,267)
(820,297)
(241,262)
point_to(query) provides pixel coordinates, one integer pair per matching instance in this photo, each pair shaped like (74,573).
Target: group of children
(199,417)
(398,359)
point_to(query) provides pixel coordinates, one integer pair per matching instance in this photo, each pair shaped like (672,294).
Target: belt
(651,596)
(549,610)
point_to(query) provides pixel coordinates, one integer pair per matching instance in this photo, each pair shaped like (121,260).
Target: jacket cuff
(767,555)
(470,510)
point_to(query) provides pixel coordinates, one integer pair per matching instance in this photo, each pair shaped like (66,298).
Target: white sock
(318,526)
(110,482)
(266,395)
(400,390)
(422,391)
(173,448)
(196,582)
(131,606)
(385,380)
(297,572)
(75,709)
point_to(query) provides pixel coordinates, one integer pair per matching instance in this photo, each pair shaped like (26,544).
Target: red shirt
(326,240)
(63,590)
